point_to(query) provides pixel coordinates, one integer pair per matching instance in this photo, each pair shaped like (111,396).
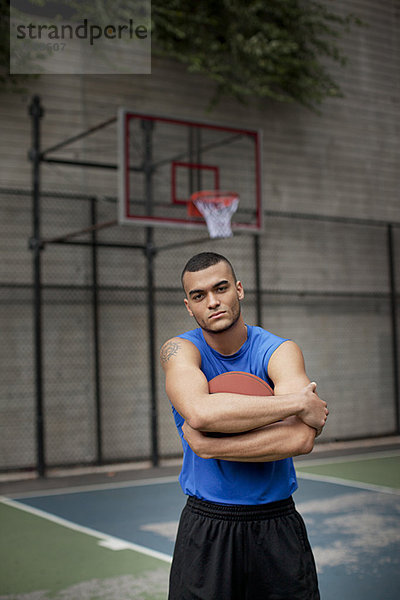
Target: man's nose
(213,300)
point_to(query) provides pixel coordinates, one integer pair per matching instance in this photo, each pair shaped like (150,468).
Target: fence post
(147,127)
(35,244)
(393,305)
(151,321)
(96,337)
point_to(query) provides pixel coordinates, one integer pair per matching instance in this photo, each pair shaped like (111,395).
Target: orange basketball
(239,382)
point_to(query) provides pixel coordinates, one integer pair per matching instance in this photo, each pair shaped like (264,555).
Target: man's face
(213,297)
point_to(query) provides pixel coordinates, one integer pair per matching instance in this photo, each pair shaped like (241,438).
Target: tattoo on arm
(169,349)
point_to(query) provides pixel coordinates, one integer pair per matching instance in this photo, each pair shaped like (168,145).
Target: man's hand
(315,410)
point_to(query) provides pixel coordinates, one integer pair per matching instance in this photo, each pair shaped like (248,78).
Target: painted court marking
(107,541)
(355,533)
(96,487)
(174,478)
(167,529)
(348,483)
(341,480)
(315,462)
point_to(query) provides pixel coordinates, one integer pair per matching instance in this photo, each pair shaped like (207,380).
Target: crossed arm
(269,428)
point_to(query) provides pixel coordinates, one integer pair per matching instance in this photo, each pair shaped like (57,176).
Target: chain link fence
(326,283)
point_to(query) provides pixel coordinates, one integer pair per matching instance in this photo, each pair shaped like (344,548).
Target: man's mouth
(217,314)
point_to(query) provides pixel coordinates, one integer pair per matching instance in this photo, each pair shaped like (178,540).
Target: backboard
(164,160)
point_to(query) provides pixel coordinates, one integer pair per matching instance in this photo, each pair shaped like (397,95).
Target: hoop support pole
(36,113)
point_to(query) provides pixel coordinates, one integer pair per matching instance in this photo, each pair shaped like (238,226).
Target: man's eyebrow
(199,291)
(223,282)
(192,292)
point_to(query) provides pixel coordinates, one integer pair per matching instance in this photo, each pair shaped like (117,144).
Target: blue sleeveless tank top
(229,482)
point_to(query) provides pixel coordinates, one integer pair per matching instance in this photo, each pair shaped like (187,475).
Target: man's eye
(198,297)
(222,288)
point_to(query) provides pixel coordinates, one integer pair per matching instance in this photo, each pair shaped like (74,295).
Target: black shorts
(242,553)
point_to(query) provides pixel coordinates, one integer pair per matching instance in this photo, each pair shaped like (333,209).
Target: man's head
(201,261)
(212,292)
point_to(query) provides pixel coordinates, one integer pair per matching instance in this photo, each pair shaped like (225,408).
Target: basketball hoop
(217,209)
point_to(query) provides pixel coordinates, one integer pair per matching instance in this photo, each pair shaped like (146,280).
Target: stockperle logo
(82,44)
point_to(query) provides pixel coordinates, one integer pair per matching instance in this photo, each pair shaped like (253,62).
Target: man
(240,537)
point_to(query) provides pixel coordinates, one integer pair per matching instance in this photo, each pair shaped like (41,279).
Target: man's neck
(230,341)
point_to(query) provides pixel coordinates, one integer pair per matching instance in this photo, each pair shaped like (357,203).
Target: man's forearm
(288,438)
(234,413)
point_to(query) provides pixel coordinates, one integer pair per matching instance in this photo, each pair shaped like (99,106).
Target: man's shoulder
(178,348)
(263,335)
(188,336)
(191,334)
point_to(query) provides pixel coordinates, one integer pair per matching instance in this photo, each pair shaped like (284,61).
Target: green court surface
(42,560)
(377,471)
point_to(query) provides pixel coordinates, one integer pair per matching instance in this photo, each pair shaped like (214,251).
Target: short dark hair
(201,261)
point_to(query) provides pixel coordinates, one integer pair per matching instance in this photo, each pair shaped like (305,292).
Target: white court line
(348,483)
(348,458)
(174,478)
(107,541)
(95,487)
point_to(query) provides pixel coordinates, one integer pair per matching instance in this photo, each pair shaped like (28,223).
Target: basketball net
(217,209)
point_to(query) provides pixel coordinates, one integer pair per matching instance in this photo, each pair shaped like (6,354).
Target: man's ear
(240,290)
(185,300)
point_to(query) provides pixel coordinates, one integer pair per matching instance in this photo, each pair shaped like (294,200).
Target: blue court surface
(354,528)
